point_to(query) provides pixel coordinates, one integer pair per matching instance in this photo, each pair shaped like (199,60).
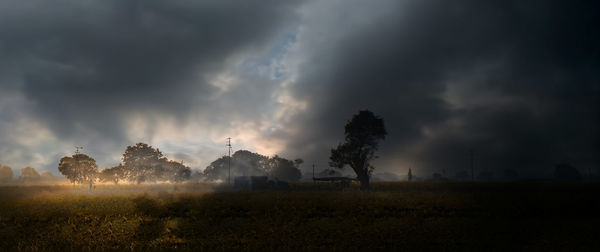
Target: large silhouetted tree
(79,168)
(217,169)
(283,169)
(566,172)
(143,163)
(362,135)
(249,163)
(243,163)
(175,171)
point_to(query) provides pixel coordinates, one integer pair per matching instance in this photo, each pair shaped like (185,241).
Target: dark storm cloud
(85,62)
(82,68)
(517,81)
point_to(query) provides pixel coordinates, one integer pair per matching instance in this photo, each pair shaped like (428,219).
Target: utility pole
(314,181)
(77,152)
(472,165)
(229,160)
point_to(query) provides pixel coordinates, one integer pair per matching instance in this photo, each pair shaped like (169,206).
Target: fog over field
(516,82)
(286,125)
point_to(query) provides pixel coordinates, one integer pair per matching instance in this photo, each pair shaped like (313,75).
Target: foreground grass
(415,216)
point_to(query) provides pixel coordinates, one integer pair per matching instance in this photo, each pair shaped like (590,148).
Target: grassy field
(414,216)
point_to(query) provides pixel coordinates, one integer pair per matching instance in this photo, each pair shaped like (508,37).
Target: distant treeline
(140,163)
(143,163)
(246,163)
(561,172)
(28,175)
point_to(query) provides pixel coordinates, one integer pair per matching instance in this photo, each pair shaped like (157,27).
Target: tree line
(28,175)
(246,163)
(362,135)
(140,163)
(143,163)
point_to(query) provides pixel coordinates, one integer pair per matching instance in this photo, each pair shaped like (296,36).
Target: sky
(517,82)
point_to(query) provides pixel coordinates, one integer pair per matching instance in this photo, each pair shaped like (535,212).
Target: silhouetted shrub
(566,172)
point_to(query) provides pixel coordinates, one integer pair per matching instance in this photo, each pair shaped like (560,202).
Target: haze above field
(515,81)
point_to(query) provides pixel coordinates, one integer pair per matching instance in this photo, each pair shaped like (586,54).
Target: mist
(334,125)
(28,176)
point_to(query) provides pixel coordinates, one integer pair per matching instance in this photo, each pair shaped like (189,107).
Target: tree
(298,162)
(217,170)
(79,168)
(566,172)
(246,163)
(243,163)
(283,169)
(113,174)
(410,176)
(29,174)
(6,174)
(143,163)
(362,136)
(175,171)
(249,163)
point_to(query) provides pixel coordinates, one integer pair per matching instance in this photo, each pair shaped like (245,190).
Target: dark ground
(413,216)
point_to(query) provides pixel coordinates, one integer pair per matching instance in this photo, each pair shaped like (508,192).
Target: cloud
(516,81)
(107,74)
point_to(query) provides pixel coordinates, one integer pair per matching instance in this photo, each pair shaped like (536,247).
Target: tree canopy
(566,172)
(243,163)
(141,163)
(78,168)
(112,174)
(29,174)
(283,169)
(144,163)
(362,135)
(6,174)
(246,163)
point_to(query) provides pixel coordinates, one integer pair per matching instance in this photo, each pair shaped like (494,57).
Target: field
(413,216)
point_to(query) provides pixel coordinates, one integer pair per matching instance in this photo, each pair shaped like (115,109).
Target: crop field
(413,216)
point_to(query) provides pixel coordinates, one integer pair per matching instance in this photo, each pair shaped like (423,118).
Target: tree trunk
(363,178)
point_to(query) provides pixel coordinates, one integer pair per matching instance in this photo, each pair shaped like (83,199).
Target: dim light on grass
(395,215)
